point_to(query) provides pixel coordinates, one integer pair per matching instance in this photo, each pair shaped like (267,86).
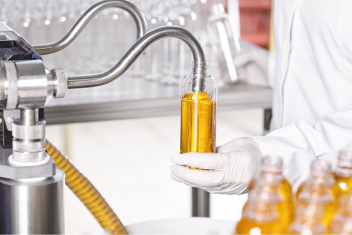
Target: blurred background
(122,135)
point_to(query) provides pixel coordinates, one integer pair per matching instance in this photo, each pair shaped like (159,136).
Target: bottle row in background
(322,204)
(109,36)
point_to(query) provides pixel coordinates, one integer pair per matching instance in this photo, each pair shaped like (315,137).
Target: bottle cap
(345,159)
(272,164)
(344,164)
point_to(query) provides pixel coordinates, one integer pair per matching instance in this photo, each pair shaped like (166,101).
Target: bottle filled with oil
(308,217)
(198,112)
(343,175)
(318,188)
(260,215)
(271,174)
(342,222)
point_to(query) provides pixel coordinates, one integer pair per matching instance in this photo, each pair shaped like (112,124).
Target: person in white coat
(312,101)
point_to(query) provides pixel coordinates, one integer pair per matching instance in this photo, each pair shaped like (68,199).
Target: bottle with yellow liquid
(308,218)
(260,215)
(343,175)
(198,112)
(342,222)
(317,188)
(271,174)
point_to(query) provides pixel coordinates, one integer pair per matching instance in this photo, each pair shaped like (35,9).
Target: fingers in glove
(228,147)
(198,178)
(201,160)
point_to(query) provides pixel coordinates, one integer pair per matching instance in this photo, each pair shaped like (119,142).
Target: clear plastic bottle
(342,222)
(343,175)
(271,174)
(224,43)
(318,188)
(260,215)
(308,218)
(198,112)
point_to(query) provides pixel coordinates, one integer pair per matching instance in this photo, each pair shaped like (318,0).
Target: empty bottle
(225,43)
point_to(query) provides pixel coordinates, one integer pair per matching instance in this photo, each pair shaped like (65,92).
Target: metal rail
(85,19)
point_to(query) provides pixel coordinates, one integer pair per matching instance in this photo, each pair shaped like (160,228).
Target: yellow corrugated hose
(87,193)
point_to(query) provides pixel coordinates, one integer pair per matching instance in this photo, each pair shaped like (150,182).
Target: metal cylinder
(32,206)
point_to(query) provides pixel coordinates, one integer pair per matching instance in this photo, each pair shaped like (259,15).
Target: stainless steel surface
(137,50)
(200,203)
(28,137)
(26,85)
(32,206)
(61,83)
(32,84)
(138,98)
(28,132)
(24,172)
(29,116)
(29,146)
(84,20)
(10,85)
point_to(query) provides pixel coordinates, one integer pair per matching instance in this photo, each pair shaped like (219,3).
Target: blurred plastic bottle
(318,188)
(271,173)
(343,175)
(342,222)
(308,218)
(260,215)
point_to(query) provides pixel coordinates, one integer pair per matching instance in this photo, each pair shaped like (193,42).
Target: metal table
(136,98)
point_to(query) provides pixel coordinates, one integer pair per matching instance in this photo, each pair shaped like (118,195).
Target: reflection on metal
(32,206)
(200,203)
(86,18)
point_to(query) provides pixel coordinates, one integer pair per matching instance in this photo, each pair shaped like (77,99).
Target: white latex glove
(230,170)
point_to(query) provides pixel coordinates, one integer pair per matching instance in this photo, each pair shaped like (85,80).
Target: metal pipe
(84,20)
(29,116)
(82,81)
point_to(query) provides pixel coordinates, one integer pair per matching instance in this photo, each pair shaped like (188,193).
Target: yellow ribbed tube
(87,193)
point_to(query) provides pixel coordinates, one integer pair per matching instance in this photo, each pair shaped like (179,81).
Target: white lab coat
(312,103)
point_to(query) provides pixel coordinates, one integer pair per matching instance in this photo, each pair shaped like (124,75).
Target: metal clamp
(61,83)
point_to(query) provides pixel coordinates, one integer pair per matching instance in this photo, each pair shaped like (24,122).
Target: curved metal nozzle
(82,81)
(84,20)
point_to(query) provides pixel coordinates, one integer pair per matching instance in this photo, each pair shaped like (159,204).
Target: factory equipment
(31,185)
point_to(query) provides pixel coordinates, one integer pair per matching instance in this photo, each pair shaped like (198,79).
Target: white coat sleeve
(300,143)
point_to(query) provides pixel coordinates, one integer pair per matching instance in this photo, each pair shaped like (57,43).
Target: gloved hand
(230,170)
